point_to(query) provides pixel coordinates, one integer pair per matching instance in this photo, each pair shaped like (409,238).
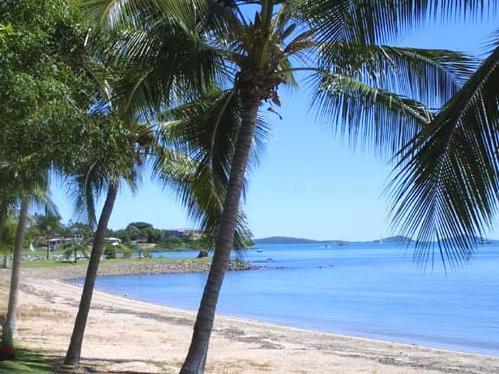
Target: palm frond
(108,156)
(41,198)
(132,13)
(162,65)
(446,189)
(26,177)
(86,187)
(366,114)
(198,193)
(163,50)
(206,131)
(494,41)
(428,75)
(371,22)
(203,134)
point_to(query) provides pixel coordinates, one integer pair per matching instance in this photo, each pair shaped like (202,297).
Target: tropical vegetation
(93,95)
(374,92)
(41,89)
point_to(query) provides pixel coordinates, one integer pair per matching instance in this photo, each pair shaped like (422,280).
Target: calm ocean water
(367,290)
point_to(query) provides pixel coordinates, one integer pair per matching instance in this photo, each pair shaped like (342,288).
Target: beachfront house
(185,234)
(113,241)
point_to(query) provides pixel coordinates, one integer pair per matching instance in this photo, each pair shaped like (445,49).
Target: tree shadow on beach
(26,361)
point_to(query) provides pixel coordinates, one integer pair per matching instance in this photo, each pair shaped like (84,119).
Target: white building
(113,241)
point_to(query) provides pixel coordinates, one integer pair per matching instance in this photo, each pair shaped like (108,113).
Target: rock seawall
(131,267)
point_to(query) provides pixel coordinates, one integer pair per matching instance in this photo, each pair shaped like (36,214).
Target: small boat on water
(259,250)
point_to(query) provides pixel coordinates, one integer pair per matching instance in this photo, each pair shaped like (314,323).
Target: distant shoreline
(398,239)
(292,240)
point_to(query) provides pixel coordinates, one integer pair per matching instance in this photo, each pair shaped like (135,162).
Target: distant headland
(291,240)
(397,239)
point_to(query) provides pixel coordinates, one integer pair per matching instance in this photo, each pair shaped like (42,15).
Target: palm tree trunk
(9,329)
(196,358)
(3,219)
(74,349)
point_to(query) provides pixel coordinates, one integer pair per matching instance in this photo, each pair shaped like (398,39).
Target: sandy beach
(127,336)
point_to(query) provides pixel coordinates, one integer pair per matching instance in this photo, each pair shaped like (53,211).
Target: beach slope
(124,335)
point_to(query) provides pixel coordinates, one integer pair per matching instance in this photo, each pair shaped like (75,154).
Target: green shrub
(109,252)
(68,253)
(125,250)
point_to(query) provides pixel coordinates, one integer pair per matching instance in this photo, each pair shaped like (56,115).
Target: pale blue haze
(367,290)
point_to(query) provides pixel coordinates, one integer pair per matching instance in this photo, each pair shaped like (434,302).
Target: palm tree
(74,349)
(9,328)
(31,185)
(104,168)
(253,48)
(447,188)
(128,147)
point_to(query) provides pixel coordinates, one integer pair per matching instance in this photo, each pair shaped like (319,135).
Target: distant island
(283,240)
(393,239)
(291,240)
(397,239)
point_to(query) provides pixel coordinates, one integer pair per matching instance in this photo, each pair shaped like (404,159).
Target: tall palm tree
(104,167)
(127,149)
(447,187)
(253,48)
(9,328)
(31,185)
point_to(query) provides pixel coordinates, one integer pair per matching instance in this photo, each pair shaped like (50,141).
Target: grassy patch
(50,263)
(26,361)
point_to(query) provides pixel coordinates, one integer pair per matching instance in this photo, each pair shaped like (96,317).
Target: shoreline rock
(137,267)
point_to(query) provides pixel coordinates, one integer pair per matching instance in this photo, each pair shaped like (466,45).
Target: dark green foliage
(139,225)
(140,231)
(78,228)
(109,252)
(75,251)
(8,237)
(41,43)
(44,92)
(146,233)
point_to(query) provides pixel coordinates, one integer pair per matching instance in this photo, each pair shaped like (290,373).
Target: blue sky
(309,183)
